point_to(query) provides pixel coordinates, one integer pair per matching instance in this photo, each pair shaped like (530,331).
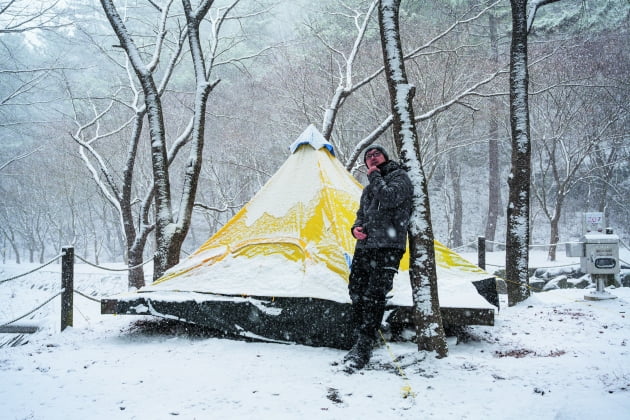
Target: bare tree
(17,16)
(494,190)
(518,229)
(457,98)
(346,86)
(455,233)
(422,271)
(8,232)
(171,224)
(573,140)
(25,95)
(349,83)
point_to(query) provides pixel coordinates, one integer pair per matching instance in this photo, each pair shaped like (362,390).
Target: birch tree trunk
(422,271)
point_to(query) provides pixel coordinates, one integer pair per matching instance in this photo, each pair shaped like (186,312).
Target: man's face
(374,158)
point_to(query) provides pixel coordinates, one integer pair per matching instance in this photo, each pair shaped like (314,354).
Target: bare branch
(532,8)
(20,21)
(448,30)
(217,209)
(344,91)
(157,6)
(19,157)
(157,51)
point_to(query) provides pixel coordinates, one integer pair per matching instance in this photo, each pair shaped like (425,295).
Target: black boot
(353,353)
(371,317)
(360,354)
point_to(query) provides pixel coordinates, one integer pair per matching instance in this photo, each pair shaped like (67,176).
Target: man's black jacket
(385,208)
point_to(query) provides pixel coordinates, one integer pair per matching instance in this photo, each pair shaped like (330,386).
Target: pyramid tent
(289,251)
(296,226)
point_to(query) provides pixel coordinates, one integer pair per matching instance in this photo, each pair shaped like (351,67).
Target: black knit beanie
(376,147)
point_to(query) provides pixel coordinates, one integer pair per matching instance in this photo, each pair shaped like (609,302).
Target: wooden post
(481,252)
(67,284)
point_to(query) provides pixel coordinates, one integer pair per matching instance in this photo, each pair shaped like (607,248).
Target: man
(381,232)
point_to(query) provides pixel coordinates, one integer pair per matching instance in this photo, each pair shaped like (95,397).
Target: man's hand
(357,232)
(372,169)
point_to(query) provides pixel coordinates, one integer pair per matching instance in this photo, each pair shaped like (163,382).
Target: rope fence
(80,258)
(32,271)
(67,290)
(475,244)
(86,296)
(481,252)
(530,246)
(114,269)
(468,245)
(547,266)
(67,275)
(32,310)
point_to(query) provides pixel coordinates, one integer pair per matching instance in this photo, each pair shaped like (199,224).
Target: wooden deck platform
(308,321)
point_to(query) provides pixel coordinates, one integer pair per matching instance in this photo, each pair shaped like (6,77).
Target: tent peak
(313,137)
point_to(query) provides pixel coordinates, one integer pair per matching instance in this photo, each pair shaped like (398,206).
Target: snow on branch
(385,124)
(344,91)
(160,37)
(471,91)
(533,7)
(345,87)
(217,209)
(416,52)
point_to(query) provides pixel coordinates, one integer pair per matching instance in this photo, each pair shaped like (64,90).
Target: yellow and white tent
(292,238)
(291,246)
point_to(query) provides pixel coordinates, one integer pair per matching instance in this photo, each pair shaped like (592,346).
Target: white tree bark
(422,271)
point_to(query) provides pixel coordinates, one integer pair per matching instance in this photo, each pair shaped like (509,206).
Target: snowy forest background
(69,101)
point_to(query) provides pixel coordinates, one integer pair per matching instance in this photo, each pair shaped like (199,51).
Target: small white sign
(593,222)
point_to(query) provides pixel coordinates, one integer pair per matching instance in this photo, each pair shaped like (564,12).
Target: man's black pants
(371,278)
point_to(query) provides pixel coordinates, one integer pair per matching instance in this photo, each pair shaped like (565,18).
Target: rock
(581,283)
(559,282)
(502,286)
(537,284)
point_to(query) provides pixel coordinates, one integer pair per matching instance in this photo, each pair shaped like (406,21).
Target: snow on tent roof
(313,137)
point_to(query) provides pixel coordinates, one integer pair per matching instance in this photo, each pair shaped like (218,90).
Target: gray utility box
(598,252)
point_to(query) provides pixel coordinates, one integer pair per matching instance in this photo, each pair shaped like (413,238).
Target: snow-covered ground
(554,356)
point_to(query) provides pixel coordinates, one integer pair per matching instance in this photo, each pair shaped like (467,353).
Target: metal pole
(481,252)
(67,286)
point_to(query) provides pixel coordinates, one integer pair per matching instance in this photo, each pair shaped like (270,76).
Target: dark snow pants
(371,278)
